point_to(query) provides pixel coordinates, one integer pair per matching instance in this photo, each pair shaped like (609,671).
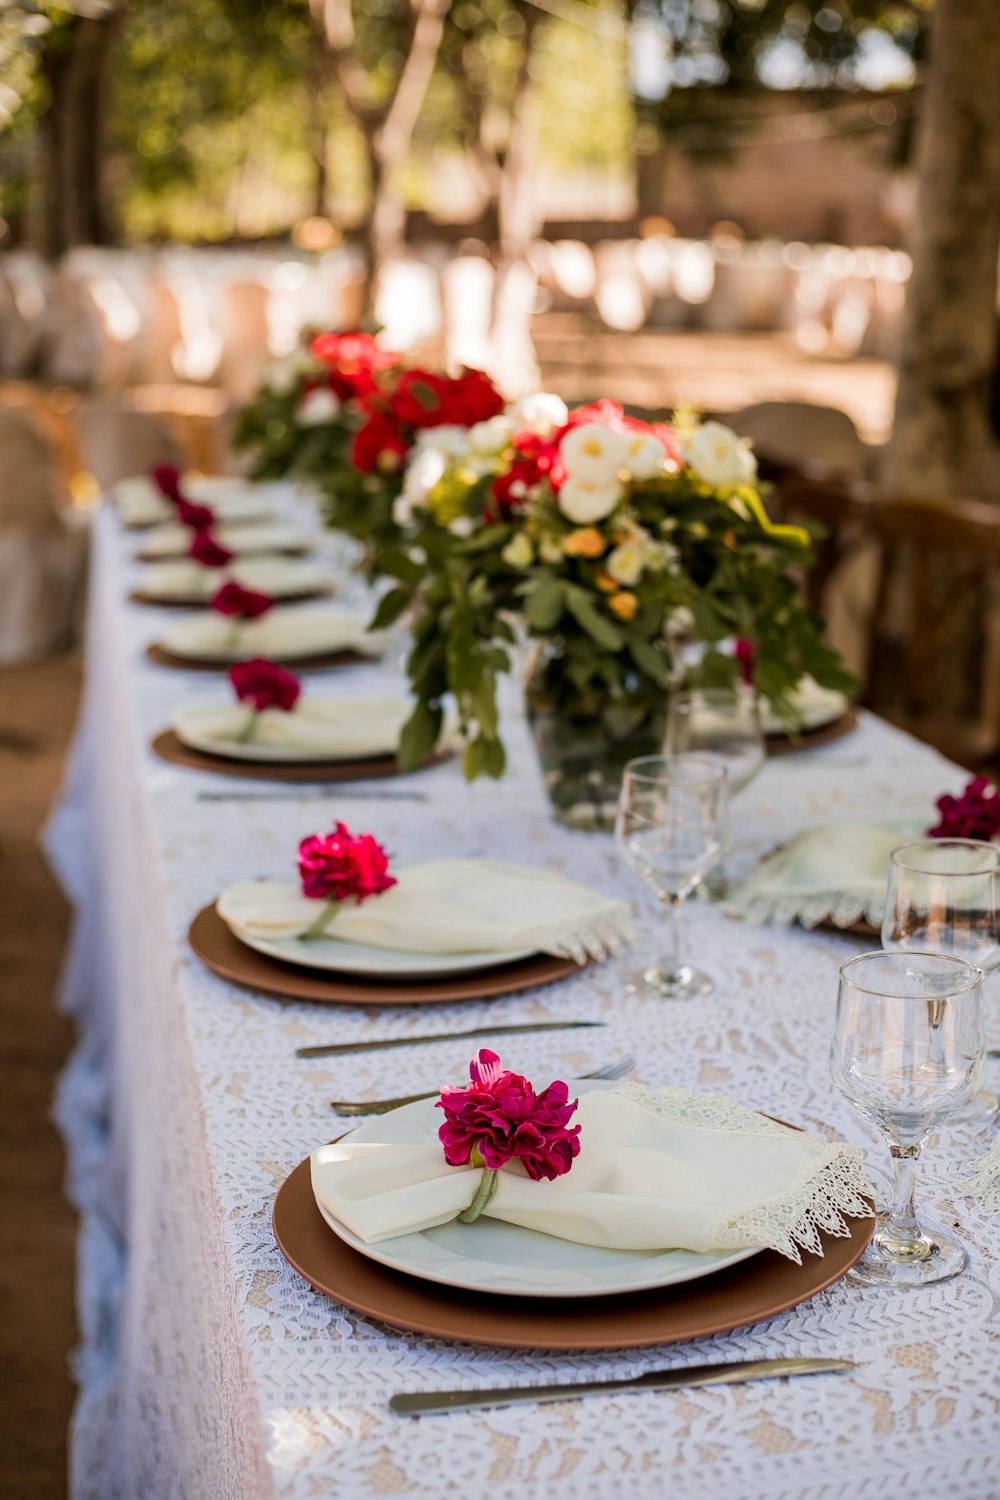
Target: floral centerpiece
(346,415)
(613,544)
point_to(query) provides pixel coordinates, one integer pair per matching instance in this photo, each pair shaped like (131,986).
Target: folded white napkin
(658,1169)
(140,502)
(835,873)
(277,576)
(810,707)
(444,906)
(283,635)
(315,728)
(173,540)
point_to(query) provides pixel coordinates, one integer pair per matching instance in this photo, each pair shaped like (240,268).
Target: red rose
(198,517)
(378,445)
(338,865)
(234,599)
(264,684)
(745,652)
(167,479)
(535,459)
(499,1115)
(207,551)
(974,814)
(352,358)
(418,399)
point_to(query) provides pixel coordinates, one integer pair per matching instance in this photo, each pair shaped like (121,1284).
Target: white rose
(402,511)
(646,455)
(626,563)
(491,436)
(583,502)
(519,552)
(718,456)
(318,407)
(450,439)
(541,413)
(462,526)
(423,471)
(594,453)
(680,621)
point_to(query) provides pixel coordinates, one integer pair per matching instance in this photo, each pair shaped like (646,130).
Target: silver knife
(419,1403)
(342,1049)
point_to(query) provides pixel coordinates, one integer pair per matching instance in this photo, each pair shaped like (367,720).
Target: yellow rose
(518,552)
(625,606)
(627,561)
(586,541)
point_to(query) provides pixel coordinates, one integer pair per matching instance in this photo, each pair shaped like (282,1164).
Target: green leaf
(391,606)
(396,564)
(586,614)
(419,735)
(484,756)
(648,659)
(543,603)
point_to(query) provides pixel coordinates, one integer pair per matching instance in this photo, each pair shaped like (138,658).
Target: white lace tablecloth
(208,1369)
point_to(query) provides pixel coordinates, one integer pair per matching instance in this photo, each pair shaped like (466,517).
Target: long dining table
(208,1368)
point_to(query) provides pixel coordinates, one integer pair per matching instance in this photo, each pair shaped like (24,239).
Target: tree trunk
(74,207)
(942,442)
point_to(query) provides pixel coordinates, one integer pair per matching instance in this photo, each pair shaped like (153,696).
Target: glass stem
(899,1237)
(674,903)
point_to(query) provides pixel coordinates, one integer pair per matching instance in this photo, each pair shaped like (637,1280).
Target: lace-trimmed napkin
(173,540)
(835,873)
(810,707)
(336,728)
(270,575)
(280,635)
(445,906)
(663,1169)
(140,503)
(983,1182)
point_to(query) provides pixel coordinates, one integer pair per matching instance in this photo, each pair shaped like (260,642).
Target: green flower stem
(246,734)
(487,1187)
(322,922)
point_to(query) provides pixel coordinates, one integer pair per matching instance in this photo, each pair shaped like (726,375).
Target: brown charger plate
(138,597)
(218,948)
(168,747)
(758,1288)
(323,659)
(302,549)
(809,739)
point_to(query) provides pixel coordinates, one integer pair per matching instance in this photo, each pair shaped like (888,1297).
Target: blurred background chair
(805,437)
(42,547)
(116,443)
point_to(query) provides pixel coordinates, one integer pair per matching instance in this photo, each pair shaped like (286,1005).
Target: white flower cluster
(598,460)
(317,407)
(718,456)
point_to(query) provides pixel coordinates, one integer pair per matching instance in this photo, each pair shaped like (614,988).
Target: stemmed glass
(723,723)
(671,827)
(941,897)
(907,1049)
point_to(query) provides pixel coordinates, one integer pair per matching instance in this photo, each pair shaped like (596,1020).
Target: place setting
(172,539)
(349,931)
(272,730)
(242,623)
(192,582)
(147,500)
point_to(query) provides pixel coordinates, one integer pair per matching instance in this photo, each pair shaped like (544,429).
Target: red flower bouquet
(974,814)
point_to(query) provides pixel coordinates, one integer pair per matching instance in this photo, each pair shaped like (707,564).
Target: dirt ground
(37,1228)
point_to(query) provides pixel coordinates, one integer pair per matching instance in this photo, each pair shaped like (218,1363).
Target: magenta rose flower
(234,599)
(499,1116)
(745,652)
(264,684)
(167,479)
(973,814)
(198,517)
(339,865)
(207,551)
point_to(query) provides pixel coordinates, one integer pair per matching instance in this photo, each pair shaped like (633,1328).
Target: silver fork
(350,1108)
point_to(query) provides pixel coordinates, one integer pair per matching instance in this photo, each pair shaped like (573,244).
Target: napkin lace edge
(841,908)
(597,936)
(823,1196)
(983,1180)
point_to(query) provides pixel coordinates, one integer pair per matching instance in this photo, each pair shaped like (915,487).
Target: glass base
(936,1257)
(673,984)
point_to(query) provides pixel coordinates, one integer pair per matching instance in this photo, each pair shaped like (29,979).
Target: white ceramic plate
(183,582)
(509,1261)
(389,716)
(812,707)
(170,540)
(338,957)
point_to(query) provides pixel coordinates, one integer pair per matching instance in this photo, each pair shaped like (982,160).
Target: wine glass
(941,897)
(671,827)
(907,1049)
(723,723)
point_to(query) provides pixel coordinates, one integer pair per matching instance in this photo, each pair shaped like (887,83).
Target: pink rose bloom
(264,684)
(167,479)
(745,652)
(234,599)
(337,865)
(198,517)
(207,551)
(974,814)
(499,1115)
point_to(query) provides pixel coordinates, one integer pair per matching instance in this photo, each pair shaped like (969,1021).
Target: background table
(208,1368)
